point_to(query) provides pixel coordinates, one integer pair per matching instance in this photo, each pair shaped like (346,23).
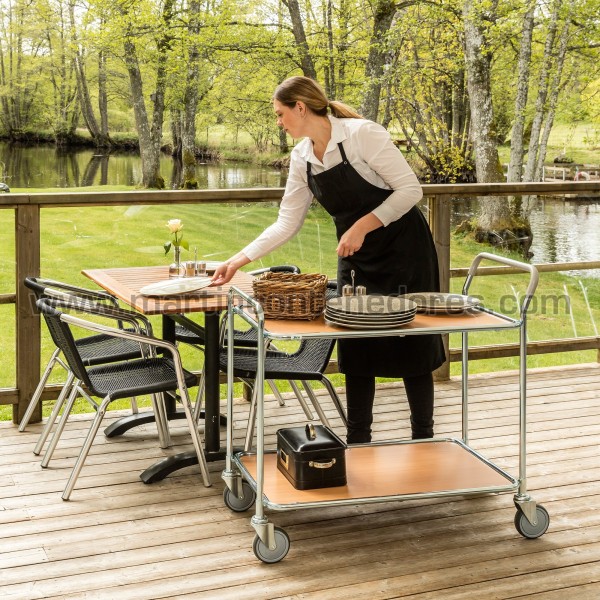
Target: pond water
(564,230)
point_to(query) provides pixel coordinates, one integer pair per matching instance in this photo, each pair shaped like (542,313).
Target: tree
(495,223)
(21,67)
(306,61)
(98,131)
(149,132)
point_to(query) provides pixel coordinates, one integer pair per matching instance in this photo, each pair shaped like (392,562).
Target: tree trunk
(102,100)
(382,20)
(150,134)
(190,102)
(306,62)
(83,92)
(555,88)
(517,149)
(495,224)
(540,103)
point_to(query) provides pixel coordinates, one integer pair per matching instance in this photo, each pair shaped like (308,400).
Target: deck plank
(119,538)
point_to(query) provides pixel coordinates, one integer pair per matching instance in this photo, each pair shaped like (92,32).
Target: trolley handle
(525,267)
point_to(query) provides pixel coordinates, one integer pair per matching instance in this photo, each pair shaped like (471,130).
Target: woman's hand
(353,239)
(225,271)
(350,242)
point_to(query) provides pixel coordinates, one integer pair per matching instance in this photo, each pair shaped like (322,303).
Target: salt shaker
(201,268)
(190,268)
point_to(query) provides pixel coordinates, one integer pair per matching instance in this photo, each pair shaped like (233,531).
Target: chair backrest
(277,269)
(57,289)
(63,338)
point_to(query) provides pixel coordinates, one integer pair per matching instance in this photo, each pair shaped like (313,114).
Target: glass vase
(176,269)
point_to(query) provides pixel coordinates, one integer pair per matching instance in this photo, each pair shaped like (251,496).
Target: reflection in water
(47,166)
(564,230)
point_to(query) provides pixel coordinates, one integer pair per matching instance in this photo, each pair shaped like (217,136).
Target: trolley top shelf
(423,324)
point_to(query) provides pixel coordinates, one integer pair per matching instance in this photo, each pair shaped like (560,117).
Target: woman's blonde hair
(307,90)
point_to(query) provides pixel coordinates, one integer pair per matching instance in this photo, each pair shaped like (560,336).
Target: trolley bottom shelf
(381,472)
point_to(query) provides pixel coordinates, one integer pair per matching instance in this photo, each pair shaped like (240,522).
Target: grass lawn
(76,238)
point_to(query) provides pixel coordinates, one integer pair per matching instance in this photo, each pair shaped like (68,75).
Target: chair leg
(54,414)
(302,402)
(276,392)
(38,390)
(161,420)
(315,403)
(336,400)
(192,424)
(85,449)
(134,406)
(199,396)
(61,424)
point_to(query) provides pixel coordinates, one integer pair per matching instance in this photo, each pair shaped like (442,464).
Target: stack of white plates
(441,303)
(370,312)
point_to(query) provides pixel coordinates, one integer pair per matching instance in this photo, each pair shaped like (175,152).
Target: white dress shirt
(370,151)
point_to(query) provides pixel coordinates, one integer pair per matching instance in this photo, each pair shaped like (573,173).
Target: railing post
(439,221)
(27,251)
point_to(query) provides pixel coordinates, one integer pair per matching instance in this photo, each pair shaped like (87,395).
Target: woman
(353,169)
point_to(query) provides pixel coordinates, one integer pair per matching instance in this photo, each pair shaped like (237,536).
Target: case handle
(317,464)
(311,434)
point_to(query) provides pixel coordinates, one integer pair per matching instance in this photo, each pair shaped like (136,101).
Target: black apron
(397,259)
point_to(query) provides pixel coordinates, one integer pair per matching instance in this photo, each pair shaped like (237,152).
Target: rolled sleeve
(389,164)
(292,212)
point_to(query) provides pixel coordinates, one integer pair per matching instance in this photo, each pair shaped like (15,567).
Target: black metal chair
(151,374)
(95,349)
(307,363)
(242,338)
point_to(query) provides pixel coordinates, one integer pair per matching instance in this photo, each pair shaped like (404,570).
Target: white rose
(175,225)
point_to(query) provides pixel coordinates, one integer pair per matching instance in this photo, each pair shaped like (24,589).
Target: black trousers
(360,394)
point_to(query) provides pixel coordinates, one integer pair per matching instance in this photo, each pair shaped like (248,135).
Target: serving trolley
(378,472)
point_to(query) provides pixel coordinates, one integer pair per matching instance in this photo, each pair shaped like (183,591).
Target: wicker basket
(291,295)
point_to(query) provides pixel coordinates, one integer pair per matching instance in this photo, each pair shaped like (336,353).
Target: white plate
(440,302)
(175,286)
(371,304)
(367,326)
(367,320)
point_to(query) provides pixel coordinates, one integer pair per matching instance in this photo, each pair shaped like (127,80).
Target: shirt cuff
(386,214)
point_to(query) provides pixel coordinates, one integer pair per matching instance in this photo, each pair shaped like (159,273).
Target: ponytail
(341,110)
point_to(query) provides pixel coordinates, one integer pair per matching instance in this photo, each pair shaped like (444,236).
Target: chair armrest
(142,339)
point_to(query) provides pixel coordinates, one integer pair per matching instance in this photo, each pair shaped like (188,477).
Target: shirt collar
(338,134)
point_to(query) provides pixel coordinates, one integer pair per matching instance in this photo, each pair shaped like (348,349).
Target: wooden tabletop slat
(125,283)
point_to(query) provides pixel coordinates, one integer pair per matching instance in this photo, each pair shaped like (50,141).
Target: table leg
(212,416)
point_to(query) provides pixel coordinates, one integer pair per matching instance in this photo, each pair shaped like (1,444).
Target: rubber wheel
(240,504)
(282,547)
(526,529)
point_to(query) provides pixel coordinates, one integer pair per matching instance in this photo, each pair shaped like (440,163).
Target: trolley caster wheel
(282,547)
(240,504)
(526,529)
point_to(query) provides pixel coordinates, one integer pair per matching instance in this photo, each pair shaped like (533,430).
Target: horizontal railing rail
(28,207)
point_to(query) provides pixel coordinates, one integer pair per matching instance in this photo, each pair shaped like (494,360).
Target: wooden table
(125,283)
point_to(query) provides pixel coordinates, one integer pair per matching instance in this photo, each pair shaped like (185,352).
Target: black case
(311,457)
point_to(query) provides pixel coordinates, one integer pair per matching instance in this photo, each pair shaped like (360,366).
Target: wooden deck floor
(120,539)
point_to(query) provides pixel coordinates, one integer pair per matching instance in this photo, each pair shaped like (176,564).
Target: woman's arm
(375,147)
(292,212)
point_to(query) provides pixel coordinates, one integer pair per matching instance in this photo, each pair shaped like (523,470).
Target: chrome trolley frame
(244,472)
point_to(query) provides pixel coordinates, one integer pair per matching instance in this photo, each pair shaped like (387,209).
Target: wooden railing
(28,207)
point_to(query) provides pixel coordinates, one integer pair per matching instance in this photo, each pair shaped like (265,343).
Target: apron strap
(344,158)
